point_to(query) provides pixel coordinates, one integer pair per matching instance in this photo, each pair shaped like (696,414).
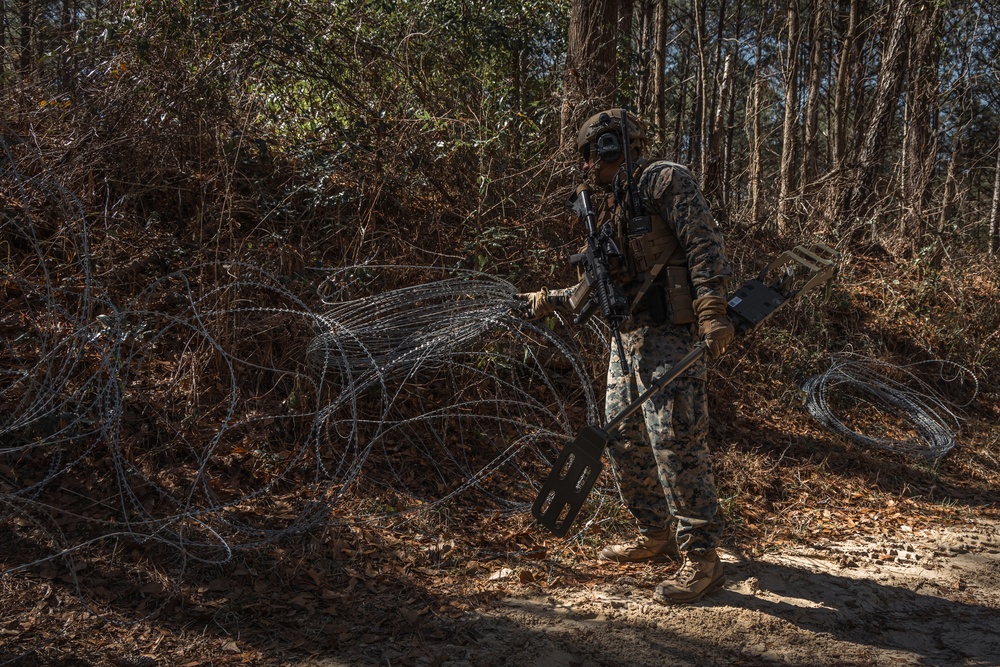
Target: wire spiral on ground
(905,393)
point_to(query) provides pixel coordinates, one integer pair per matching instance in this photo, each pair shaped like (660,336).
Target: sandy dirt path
(929,597)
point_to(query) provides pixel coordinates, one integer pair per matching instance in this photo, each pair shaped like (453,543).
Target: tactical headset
(602,135)
(609,147)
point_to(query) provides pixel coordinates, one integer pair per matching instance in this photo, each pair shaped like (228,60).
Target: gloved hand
(538,302)
(713,324)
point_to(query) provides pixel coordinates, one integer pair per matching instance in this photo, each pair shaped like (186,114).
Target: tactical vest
(653,270)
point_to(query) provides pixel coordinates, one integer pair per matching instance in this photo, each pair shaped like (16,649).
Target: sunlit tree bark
(756,172)
(730,129)
(817,46)
(790,124)
(680,104)
(949,201)
(884,104)
(842,90)
(659,78)
(643,25)
(995,209)
(713,165)
(920,147)
(697,128)
(713,110)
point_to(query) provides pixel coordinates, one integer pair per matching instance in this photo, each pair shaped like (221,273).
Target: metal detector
(792,274)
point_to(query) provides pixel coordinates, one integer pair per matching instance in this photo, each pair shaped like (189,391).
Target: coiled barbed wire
(895,391)
(219,407)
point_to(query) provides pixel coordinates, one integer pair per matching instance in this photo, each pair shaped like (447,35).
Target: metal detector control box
(791,274)
(752,304)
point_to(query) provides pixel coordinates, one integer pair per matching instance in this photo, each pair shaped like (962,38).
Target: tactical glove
(713,324)
(538,302)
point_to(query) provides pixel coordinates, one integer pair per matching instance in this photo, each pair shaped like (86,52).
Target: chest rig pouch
(658,267)
(652,270)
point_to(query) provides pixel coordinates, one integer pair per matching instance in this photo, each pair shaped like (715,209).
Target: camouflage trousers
(660,456)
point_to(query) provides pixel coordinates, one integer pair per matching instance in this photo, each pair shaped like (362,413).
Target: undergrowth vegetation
(222,148)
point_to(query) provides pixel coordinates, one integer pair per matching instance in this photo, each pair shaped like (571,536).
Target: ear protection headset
(609,147)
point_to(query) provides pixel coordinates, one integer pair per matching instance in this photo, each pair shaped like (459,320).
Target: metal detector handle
(658,385)
(819,259)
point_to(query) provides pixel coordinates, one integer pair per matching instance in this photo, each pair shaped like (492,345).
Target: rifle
(579,464)
(597,287)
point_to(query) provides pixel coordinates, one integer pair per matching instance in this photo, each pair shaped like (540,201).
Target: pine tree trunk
(713,165)
(644,23)
(66,78)
(842,90)
(884,104)
(681,102)
(948,203)
(3,42)
(755,168)
(727,147)
(790,124)
(919,146)
(995,209)
(627,33)
(591,63)
(713,114)
(817,45)
(701,86)
(659,78)
(26,29)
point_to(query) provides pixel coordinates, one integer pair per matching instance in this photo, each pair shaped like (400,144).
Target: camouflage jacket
(668,190)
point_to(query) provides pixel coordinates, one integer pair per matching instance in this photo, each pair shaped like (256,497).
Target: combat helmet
(602,133)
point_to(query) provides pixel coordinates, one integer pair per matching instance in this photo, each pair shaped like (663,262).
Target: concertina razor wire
(220,407)
(898,392)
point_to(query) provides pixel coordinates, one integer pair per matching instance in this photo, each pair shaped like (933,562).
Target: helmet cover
(609,121)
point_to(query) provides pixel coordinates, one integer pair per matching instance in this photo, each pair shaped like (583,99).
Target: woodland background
(874,122)
(297,134)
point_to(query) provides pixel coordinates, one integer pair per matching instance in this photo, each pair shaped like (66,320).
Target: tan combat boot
(656,546)
(699,575)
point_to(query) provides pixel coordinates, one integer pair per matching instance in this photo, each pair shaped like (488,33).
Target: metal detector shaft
(658,385)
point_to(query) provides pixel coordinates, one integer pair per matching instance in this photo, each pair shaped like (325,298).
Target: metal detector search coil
(573,475)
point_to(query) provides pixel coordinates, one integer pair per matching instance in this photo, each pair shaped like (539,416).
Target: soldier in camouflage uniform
(675,276)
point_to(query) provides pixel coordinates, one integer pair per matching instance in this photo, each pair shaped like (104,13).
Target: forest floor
(914,582)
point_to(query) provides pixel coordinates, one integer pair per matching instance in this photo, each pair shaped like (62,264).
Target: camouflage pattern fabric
(669,190)
(661,457)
